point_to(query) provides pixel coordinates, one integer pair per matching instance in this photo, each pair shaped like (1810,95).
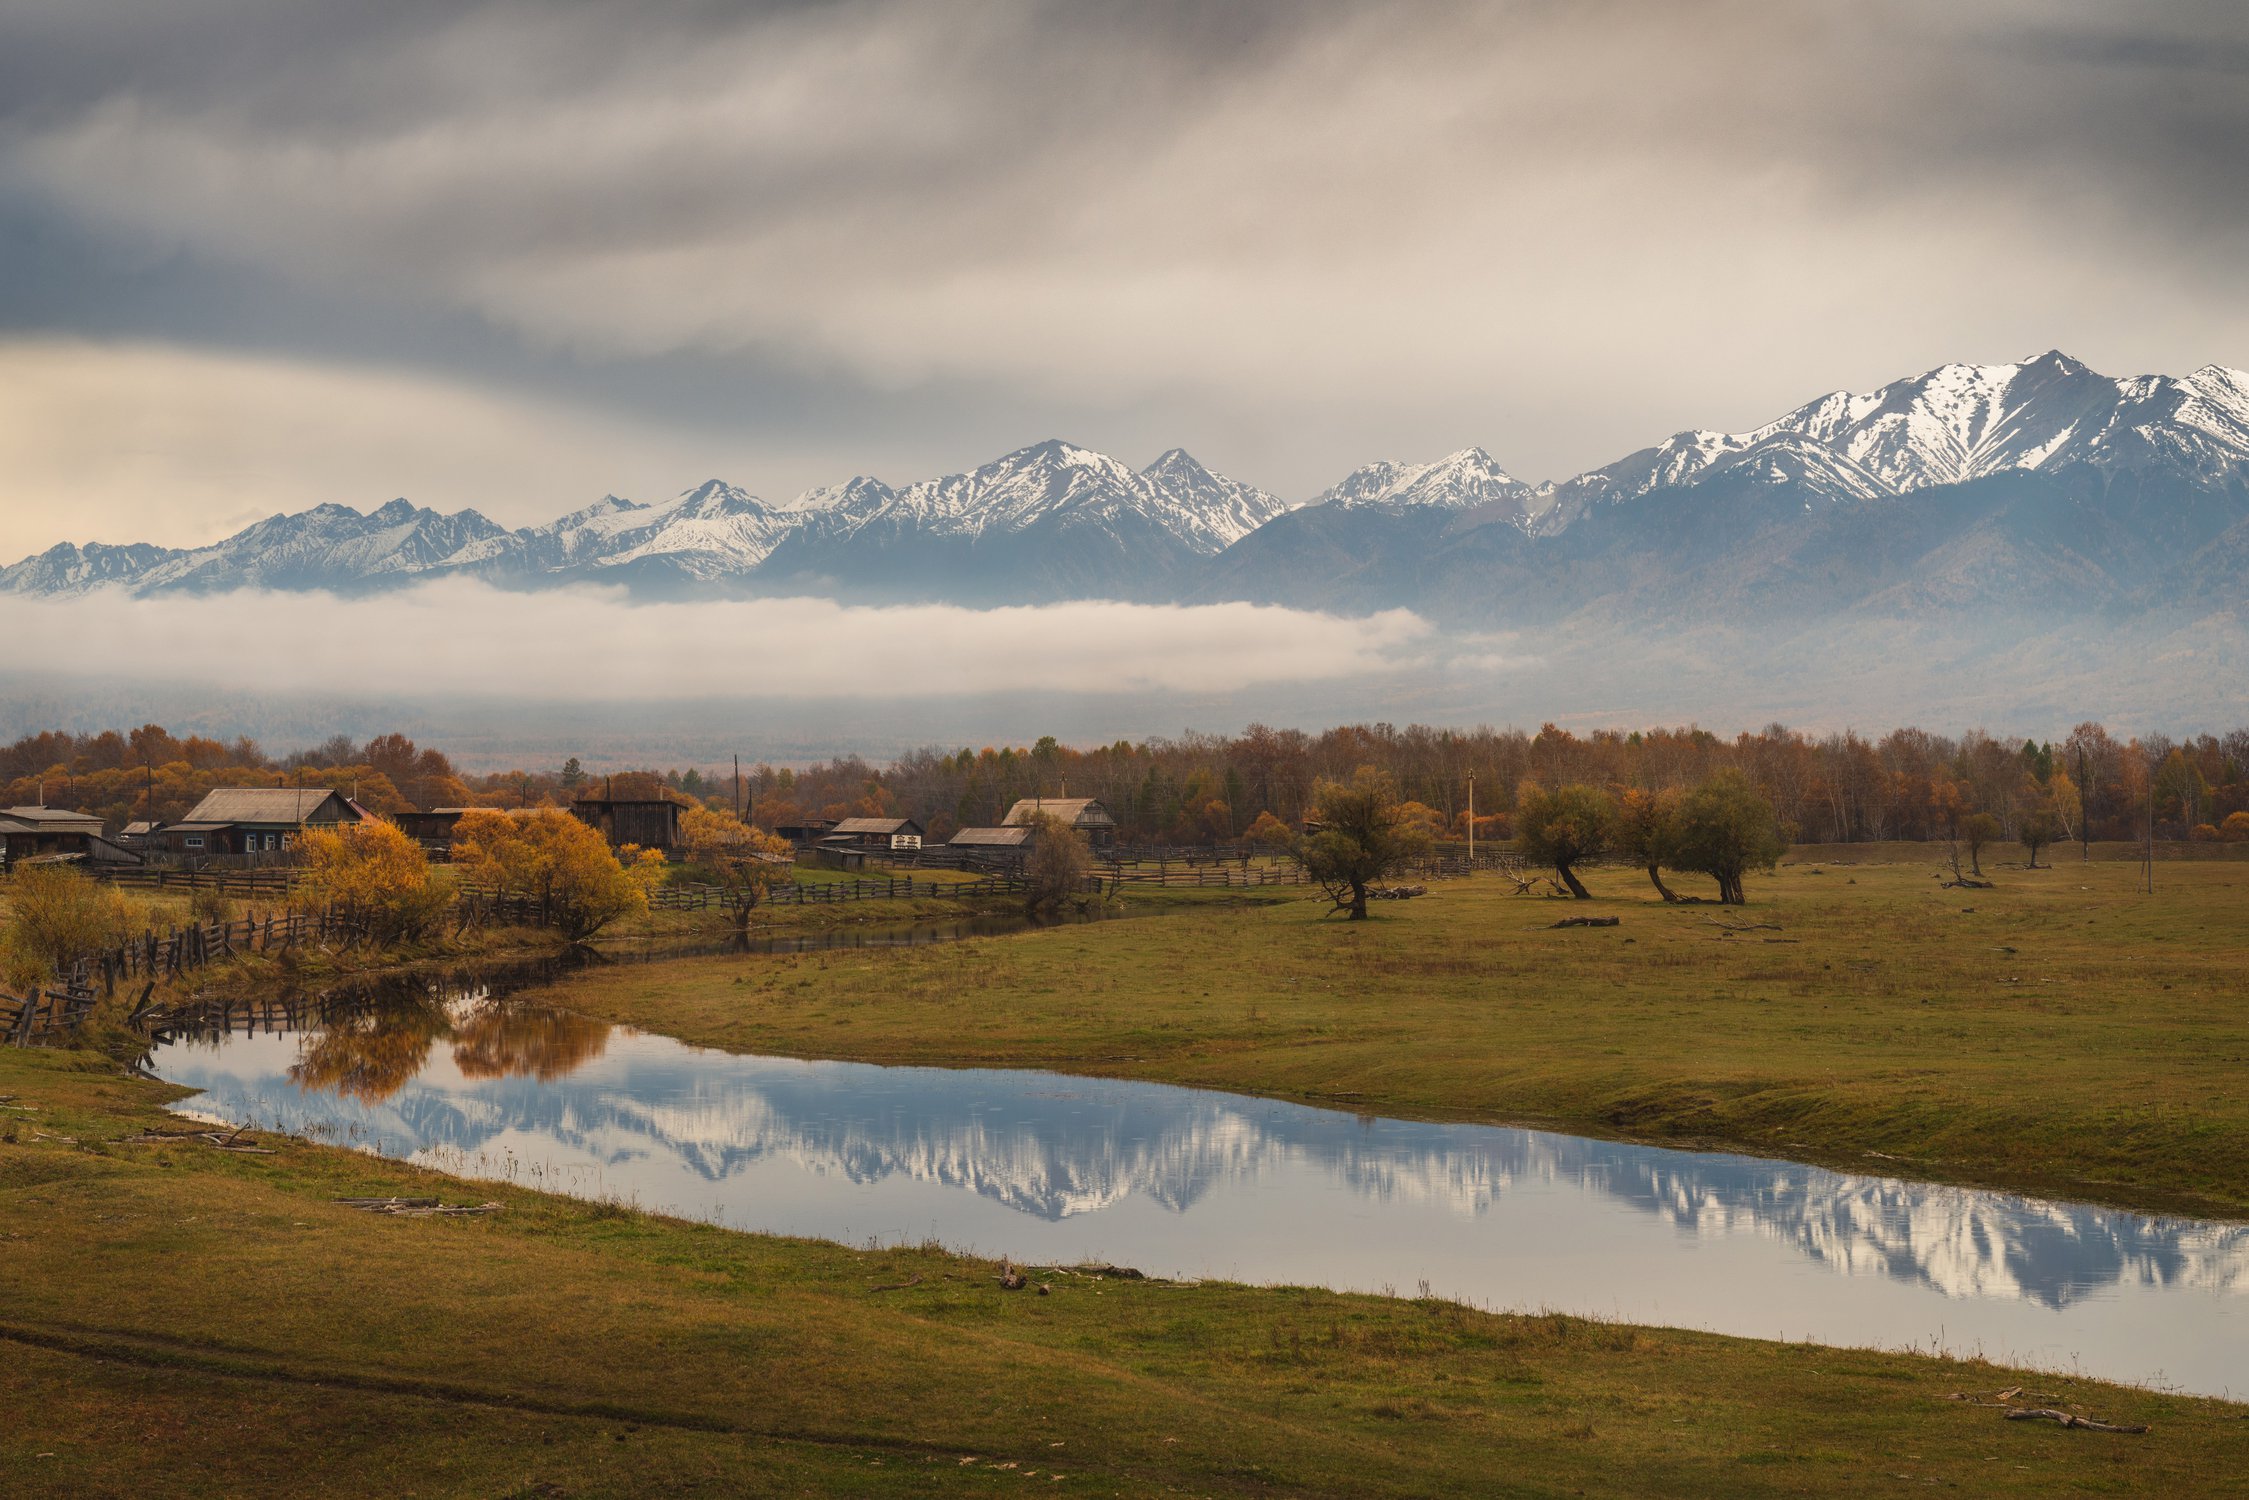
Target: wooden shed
(878,833)
(43,833)
(650,822)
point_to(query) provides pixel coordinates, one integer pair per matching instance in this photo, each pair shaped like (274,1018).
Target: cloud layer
(460,638)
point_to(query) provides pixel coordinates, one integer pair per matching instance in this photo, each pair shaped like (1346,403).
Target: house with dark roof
(257,819)
(1084,814)
(57,833)
(877,833)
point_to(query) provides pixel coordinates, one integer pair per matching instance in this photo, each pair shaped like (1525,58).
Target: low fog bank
(551,676)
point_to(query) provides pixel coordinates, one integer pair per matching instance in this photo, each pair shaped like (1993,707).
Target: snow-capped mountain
(1053,520)
(1970,484)
(1459,481)
(1955,424)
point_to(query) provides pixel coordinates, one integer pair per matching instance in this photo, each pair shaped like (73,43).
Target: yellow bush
(374,871)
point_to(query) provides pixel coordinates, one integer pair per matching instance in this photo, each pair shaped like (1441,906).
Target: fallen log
(2070,1419)
(1585,922)
(417,1208)
(1114,1273)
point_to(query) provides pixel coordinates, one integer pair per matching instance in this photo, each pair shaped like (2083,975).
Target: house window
(195,841)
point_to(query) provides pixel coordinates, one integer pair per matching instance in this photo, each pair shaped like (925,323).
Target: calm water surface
(1188,1183)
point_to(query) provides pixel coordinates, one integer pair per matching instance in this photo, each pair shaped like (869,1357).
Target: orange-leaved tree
(374,872)
(747,861)
(548,856)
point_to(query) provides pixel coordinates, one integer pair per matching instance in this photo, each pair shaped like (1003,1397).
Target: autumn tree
(1564,828)
(2235,828)
(1977,830)
(1725,828)
(1363,834)
(373,871)
(747,861)
(1059,863)
(56,916)
(1647,833)
(2041,826)
(550,857)
(1269,832)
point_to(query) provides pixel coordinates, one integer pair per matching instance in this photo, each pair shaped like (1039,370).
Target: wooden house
(894,834)
(56,833)
(835,855)
(256,819)
(1084,814)
(805,832)
(650,822)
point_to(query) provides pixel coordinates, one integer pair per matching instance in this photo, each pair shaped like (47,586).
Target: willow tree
(1564,828)
(1360,833)
(1724,829)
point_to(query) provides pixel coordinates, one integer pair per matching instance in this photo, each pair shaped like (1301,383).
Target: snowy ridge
(1059,520)
(1458,481)
(1956,423)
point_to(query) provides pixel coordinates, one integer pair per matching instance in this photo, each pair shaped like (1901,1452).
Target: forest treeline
(1204,788)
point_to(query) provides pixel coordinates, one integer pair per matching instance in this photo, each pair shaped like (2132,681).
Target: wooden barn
(650,822)
(1084,814)
(877,833)
(256,819)
(993,846)
(805,832)
(42,833)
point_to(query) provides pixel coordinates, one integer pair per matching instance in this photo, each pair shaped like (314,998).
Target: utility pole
(1471,822)
(737,787)
(2084,810)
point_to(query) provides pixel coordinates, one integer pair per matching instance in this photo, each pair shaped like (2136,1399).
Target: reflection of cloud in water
(1058,1148)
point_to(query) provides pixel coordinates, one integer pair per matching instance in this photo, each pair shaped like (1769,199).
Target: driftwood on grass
(416,1208)
(1744,926)
(897,1286)
(1585,922)
(2070,1419)
(1011,1280)
(2004,1403)
(1969,883)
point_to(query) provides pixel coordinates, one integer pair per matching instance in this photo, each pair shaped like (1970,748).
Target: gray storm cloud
(1294,236)
(465,638)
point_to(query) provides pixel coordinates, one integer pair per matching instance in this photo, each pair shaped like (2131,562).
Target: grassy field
(179,1320)
(2058,1034)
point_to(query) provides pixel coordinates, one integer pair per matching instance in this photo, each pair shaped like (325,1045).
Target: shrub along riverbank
(2058,1034)
(181,1319)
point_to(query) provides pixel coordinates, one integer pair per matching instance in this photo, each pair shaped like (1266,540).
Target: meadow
(2059,1033)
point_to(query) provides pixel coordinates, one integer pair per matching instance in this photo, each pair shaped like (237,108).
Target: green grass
(2059,1034)
(181,1321)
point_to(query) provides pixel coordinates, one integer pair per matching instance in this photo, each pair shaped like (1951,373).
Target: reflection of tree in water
(499,1040)
(370,1053)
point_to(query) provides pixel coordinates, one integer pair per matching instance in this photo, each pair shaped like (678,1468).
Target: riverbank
(182,1319)
(2058,1034)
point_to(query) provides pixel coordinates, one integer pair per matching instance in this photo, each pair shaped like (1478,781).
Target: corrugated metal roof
(1083,812)
(262,804)
(987,838)
(876,825)
(50,817)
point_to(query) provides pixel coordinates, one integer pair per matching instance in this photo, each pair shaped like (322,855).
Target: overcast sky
(258,255)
